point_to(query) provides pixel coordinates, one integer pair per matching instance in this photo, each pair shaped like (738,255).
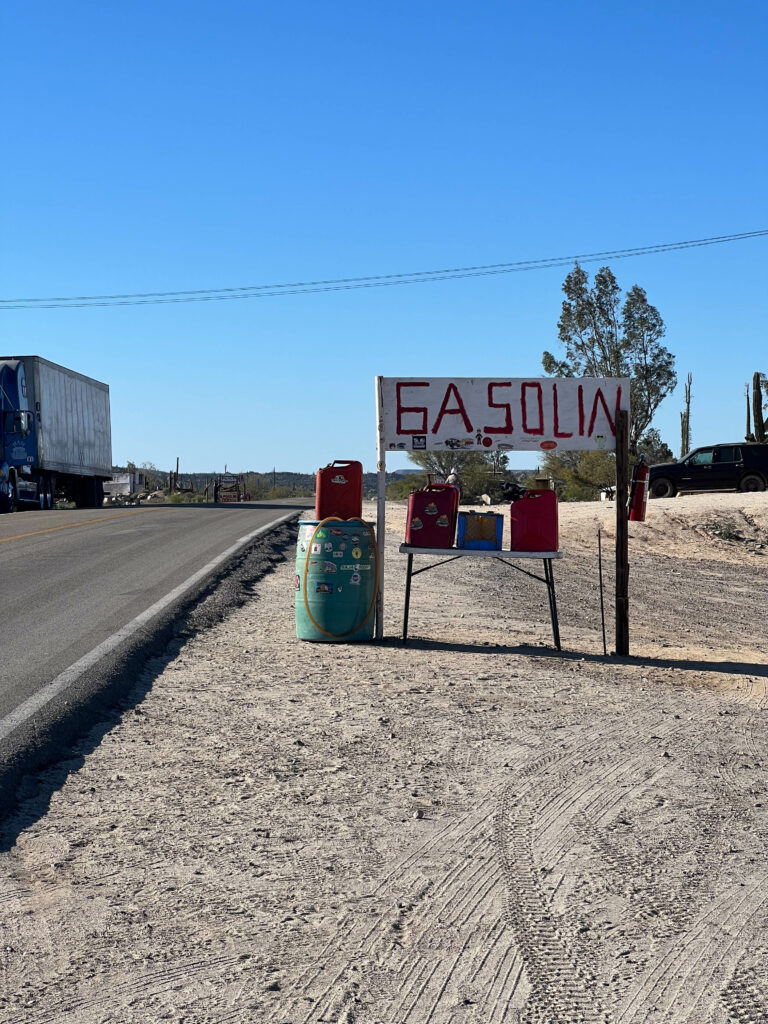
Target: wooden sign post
(622,533)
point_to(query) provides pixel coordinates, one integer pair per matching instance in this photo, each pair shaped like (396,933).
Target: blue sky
(198,144)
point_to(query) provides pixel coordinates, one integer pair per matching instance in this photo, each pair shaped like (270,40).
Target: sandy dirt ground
(472,828)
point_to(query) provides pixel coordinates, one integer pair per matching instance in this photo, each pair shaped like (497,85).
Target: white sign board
(485,414)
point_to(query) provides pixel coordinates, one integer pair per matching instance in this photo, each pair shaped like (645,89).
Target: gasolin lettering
(503,414)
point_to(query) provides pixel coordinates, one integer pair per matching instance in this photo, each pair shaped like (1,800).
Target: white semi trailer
(55,435)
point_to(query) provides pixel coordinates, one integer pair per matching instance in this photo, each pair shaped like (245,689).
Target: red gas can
(432,513)
(534,522)
(339,490)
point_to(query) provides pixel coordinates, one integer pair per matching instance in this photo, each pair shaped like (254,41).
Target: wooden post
(381,510)
(622,533)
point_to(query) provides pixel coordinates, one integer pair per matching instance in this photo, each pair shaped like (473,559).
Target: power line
(353,283)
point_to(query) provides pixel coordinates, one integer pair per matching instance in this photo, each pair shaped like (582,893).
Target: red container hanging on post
(432,514)
(534,522)
(339,490)
(638,492)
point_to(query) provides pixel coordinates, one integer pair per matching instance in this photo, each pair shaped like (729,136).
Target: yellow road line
(69,526)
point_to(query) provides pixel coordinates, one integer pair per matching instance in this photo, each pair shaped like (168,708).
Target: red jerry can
(534,522)
(432,514)
(339,490)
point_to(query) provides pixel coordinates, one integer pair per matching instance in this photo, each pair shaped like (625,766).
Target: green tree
(653,449)
(605,337)
(580,476)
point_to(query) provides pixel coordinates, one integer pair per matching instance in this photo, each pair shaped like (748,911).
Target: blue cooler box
(480,531)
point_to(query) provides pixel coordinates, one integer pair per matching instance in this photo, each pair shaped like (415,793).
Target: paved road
(71,579)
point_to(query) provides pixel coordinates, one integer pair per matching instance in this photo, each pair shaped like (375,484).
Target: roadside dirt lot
(473,828)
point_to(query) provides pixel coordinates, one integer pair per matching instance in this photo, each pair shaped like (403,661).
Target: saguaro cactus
(758,384)
(685,419)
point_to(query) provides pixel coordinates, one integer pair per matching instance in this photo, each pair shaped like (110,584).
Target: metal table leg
(407,598)
(550,579)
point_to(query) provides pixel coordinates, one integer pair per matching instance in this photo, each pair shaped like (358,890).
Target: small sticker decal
(431,509)
(354,579)
(442,521)
(342,545)
(320,534)
(336,533)
(297,583)
(302,546)
(355,539)
(338,554)
(315,549)
(329,567)
(487,442)
(419,442)
(338,479)
(548,445)
(416,524)
(328,546)
(324,588)
(357,553)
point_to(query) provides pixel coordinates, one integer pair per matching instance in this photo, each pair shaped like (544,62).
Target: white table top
(409,549)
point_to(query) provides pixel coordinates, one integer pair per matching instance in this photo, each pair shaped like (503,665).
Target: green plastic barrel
(335,580)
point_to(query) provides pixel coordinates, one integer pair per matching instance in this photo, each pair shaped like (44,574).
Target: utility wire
(353,283)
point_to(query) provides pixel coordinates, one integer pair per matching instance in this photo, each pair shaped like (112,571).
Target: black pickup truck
(742,466)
